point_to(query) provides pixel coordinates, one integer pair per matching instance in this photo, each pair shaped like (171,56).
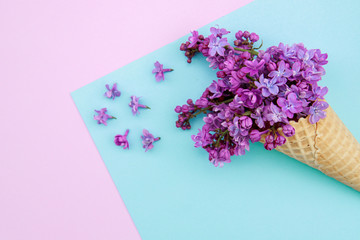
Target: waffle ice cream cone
(327,146)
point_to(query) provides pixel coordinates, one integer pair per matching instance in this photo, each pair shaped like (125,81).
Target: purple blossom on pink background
(120,140)
(113,92)
(317,112)
(148,140)
(135,105)
(102,117)
(159,71)
(217,45)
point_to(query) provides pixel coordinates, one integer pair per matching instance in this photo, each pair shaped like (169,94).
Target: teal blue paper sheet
(173,192)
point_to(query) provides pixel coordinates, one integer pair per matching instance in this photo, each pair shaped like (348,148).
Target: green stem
(251,51)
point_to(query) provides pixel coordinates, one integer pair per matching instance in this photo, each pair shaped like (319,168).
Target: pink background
(53,183)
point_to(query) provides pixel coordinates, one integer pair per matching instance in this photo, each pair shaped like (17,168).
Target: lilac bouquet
(257,93)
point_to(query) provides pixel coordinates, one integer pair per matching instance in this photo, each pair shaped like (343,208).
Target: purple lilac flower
(219,157)
(102,117)
(270,142)
(213,121)
(255,135)
(250,98)
(203,138)
(290,105)
(257,115)
(218,32)
(135,105)
(193,39)
(288,130)
(120,140)
(215,89)
(148,140)
(274,114)
(281,74)
(236,130)
(242,145)
(317,112)
(159,71)
(280,140)
(217,45)
(113,92)
(268,86)
(253,67)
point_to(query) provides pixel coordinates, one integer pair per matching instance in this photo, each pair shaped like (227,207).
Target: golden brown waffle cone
(327,146)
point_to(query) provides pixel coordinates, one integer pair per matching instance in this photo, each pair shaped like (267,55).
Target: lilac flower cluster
(256,95)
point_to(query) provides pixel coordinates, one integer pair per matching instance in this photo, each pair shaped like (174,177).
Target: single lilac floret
(102,117)
(217,45)
(219,32)
(317,112)
(275,115)
(148,140)
(113,92)
(135,105)
(253,67)
(290,105)
(193,39)
(120,140)
(159,71)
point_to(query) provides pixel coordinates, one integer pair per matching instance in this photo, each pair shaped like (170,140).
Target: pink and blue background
(53,182)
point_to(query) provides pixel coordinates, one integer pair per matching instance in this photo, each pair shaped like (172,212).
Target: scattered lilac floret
(148,140)
(120,140)
(135,105)
(159,71)
(102,117)
(113,92)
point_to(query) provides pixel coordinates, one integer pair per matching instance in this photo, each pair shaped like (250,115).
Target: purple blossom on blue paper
(193,39)
(218,32)
(135,105)
(317,111)
(112,92)
(256,94)
(121,140)
(275,115)
(102,117)
(290,105)
(148,139)
(159,71)
(253,67)
(217,45)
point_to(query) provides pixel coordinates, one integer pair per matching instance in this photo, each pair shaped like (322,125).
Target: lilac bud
(178,109)
(255,135)
(288,130)
(269,142)
(254,37)
(185,108)
(239,35)
(271,66)
(183,47)
(202,103)
(245,122)
(246,34)
(190,102)
(280,140)
(221,74)
(245,55)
